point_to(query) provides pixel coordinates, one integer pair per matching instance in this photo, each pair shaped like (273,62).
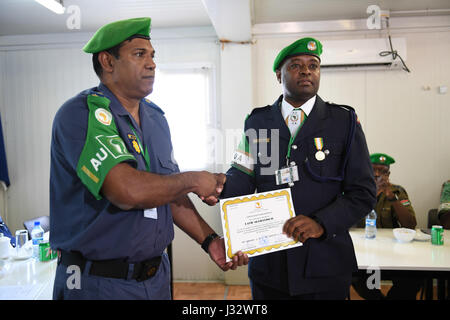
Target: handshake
(208,186)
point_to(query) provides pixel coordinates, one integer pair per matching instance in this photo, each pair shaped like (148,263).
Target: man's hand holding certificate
(254,223)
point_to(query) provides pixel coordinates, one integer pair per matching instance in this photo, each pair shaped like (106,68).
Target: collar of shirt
(286,107)
(115,104)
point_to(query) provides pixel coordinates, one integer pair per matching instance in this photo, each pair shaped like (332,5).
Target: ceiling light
(53,5)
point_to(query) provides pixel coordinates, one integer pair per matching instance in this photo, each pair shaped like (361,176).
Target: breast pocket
(167,166)
(331,164)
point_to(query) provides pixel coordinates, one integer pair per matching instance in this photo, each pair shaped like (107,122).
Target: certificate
(254,223)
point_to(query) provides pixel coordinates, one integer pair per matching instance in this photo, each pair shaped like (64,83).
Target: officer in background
(394,210)
(115,188)
(321,153)
(444,205)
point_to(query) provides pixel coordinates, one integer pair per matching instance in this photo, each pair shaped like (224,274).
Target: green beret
(308,46)
(381,158)
(114,33)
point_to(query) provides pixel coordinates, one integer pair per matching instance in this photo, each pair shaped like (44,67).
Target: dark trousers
(262,292)
(70,285)
(402,288)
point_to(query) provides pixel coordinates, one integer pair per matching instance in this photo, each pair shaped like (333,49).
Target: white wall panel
(36,83)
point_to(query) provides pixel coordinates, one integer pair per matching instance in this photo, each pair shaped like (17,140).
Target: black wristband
(207,241)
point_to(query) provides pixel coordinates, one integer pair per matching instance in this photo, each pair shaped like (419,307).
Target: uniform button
(334,235)
(294,146)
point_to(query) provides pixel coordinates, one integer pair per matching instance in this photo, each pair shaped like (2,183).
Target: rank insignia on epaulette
(97,94)
(263,140)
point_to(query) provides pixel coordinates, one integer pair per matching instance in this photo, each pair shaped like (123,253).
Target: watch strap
(208,240)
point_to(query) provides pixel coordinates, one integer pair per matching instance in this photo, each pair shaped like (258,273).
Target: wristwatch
(207,241)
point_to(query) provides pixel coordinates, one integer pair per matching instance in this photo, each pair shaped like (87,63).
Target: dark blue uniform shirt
(97,228)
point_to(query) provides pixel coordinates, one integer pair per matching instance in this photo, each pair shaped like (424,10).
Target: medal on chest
(320,155)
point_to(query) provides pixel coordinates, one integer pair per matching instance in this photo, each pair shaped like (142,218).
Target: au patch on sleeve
(103,149)
(242,158)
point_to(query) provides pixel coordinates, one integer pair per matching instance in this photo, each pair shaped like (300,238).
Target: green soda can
(437,235)
(45,252)
(54,253)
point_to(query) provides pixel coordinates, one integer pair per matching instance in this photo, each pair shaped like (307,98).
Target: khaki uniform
(386,215)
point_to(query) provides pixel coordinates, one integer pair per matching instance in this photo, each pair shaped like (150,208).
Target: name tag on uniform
(151,213)
(287,175)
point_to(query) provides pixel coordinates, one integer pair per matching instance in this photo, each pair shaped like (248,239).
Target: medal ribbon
(318,142)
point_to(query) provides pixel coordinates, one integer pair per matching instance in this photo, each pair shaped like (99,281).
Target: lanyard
(143,150)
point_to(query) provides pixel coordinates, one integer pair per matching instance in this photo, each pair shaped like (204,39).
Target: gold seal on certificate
(254,223)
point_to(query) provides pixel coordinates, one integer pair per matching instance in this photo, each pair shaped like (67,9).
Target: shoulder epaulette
(95,93)
(343,106)
(147,102)
(398,187)
(259,109)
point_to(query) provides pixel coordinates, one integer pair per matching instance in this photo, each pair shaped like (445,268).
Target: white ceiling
(266,11)
(29,17)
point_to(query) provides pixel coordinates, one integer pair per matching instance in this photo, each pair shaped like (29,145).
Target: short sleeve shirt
(80,221)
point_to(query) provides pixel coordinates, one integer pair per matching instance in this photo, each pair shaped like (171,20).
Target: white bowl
(404,234)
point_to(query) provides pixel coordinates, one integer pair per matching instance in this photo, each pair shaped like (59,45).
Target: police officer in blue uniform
(115,188)
(318,149)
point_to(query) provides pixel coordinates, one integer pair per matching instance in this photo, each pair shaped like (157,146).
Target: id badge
(287,175)
(151,213)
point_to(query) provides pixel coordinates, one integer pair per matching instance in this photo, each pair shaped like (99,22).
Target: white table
(28,279)
(385,252)
(389,255)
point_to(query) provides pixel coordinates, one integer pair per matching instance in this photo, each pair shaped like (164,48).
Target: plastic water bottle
(371,225)
(37,236)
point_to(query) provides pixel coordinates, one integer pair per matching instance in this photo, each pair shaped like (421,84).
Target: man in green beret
(317,149)
(115,188)
(394,210)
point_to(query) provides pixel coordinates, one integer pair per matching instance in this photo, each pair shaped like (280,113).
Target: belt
(115,268)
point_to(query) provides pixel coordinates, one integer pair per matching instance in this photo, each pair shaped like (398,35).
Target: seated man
(444,206)
(393,210)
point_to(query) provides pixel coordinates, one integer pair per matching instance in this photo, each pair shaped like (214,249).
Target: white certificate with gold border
(254,223)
